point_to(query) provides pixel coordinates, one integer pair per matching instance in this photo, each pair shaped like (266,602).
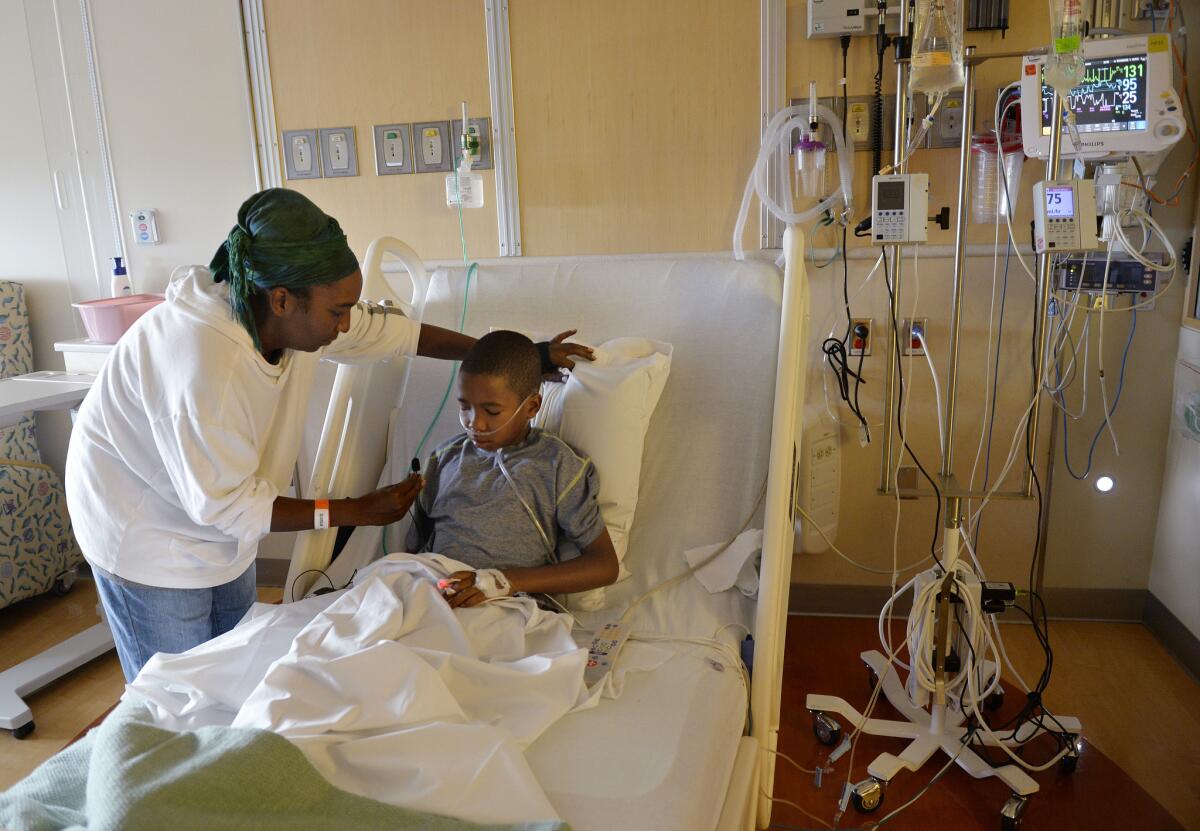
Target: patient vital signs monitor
(1125,105)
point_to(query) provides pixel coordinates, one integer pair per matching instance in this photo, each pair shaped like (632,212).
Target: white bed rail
(770,628)
(360,406)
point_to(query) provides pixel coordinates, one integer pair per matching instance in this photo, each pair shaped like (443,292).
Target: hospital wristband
(321,514)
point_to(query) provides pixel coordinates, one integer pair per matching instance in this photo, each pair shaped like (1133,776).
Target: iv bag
(1064,61)
(936,65)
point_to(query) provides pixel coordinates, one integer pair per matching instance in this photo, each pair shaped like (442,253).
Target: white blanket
(389,692)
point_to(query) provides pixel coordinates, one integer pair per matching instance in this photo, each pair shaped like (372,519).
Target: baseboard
(271,571)
(1126,605)
(1174,636)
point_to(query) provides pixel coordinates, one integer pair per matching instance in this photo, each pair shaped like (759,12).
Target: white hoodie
(189,435)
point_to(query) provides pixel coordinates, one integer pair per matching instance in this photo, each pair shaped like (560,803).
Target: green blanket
(130,775)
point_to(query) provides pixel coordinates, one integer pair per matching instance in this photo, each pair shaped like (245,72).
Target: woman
(183,447)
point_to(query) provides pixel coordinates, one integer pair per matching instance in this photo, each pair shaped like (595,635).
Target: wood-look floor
(1139,707)
(1140,769)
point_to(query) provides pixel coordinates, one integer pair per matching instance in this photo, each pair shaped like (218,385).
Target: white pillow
(603,410)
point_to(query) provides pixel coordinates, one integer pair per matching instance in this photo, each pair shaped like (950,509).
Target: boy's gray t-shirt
(469,511)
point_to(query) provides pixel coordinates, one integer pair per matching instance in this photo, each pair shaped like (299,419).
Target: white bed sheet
(388,692)
(656,759)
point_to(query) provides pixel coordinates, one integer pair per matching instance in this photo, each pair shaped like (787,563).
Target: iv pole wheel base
(1068,763)
(1012,813)
(23,731)
(867,795)
(826,729)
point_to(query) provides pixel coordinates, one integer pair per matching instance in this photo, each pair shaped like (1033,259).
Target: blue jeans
(149,619)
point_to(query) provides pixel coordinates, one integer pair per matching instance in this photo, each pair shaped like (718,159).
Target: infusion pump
(1125,105)
(1064,215)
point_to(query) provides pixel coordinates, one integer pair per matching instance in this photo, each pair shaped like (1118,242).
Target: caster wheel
(867,796)
(994,701)
(826,729)
(1012,813)
(1068,763)
(23,731)
(63,585)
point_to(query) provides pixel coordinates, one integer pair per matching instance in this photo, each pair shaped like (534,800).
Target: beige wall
(384,62)
(636,125)
(636,122)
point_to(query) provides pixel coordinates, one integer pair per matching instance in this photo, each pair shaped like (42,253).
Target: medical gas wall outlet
(1064,215)
(301,154)
(431,147)
(481,129)
(145,226)
(860,336)
(393,149)
(339,154)
(858,121)
(899,208)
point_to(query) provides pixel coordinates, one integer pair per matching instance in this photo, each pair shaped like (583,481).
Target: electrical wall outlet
(909,332)
(861,329)
(947,127)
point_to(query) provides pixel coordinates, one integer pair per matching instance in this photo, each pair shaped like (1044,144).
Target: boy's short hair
(509,355)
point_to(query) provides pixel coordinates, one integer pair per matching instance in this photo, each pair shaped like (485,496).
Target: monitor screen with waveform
(1112,96)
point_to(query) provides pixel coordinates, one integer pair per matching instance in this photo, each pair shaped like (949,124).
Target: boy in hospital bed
(500,496)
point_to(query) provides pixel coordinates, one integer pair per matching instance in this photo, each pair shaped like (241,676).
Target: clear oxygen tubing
(777,138)
(469,426)
(528,510)
(475,434)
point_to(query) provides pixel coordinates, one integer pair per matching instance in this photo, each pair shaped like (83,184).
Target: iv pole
(942,725)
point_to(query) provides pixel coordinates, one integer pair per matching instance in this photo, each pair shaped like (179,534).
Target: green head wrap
(281,240)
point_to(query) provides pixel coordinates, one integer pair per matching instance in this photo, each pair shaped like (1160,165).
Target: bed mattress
(659,757)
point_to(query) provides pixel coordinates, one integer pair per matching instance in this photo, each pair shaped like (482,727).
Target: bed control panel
(602,654)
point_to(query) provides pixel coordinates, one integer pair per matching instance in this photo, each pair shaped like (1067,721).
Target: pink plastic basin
(106,320)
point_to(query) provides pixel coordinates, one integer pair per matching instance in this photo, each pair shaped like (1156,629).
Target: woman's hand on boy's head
(563,354)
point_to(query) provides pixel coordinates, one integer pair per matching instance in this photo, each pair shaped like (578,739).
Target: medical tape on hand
(492,583)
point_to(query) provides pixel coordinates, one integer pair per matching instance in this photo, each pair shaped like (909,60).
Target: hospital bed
(685,746)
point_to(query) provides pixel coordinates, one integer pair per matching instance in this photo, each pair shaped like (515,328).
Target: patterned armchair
(38,552)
